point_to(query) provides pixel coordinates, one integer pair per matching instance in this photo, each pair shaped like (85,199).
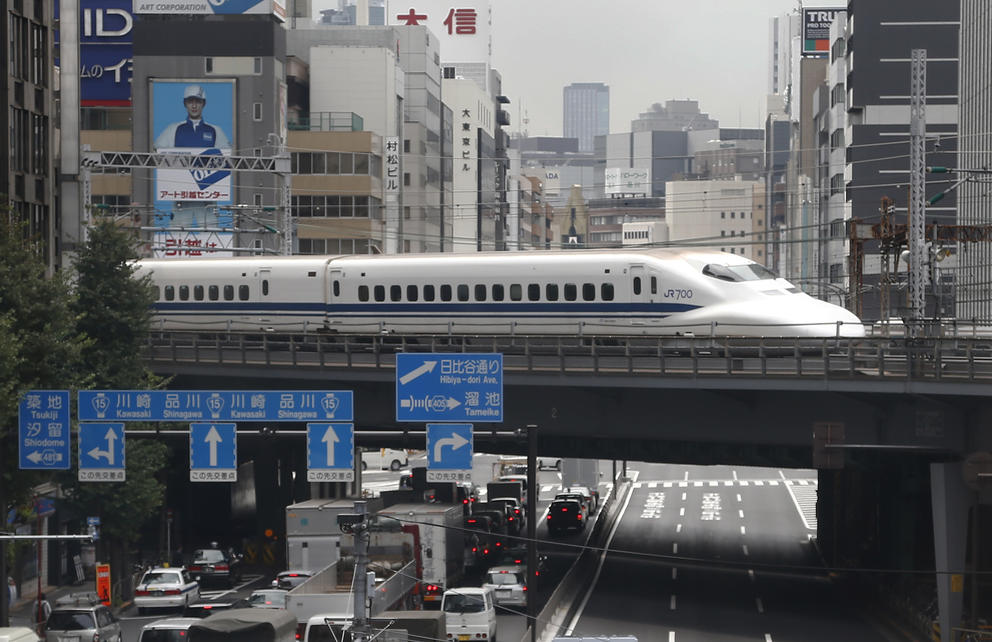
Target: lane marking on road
(713,483)
(599,566)
(671,636)
(682,512)
(683,484)
(671,604)
(678,527)
(739,497)
(758,482)
(652,484)
(761,607)
(744,546)
(804,499)
(668,484)
(768,637)
(697,484)
(728,483)
(675,548)
(735,474)
(750,574)
(686,475)
(741,512)
(743,532)
(675,573)
(683,496)
(744,482)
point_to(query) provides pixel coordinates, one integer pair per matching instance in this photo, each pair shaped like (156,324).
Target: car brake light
(96,637)
(172,592)
(485,551)
(549,517)
(221,567)
(578,516)
(475,549)
(471,521)
(564,509)
(464,501)
(140,592)
(525,588)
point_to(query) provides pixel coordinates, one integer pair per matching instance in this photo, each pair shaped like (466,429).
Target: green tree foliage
(39,345)
(113,311)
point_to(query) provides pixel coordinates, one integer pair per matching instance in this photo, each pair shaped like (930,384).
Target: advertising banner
(187,244)
(220,7)
(463,27)
(194,117)
(627,180)
(105,52)
(816,30)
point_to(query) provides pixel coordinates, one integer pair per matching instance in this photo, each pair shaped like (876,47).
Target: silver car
(268,599)
(81,617)
(168,630)
(162,588)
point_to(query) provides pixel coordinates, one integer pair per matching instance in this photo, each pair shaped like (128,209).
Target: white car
(509,585)
(592,497)
(168,630)
(384,458)
(162,588)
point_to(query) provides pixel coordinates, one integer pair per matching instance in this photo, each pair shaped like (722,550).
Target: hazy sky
(647,51)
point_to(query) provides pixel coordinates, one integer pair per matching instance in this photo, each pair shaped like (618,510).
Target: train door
(334,296)
(264,294)
(643,293)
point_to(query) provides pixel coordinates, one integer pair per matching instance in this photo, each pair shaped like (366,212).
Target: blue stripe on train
(417,309)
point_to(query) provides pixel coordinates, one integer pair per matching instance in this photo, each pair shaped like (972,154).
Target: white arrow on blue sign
(43,438)
(213,452)
(449,387)
(101,452)
(330,452)
(449,452)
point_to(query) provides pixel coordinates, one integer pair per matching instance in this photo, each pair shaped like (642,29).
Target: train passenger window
(445,292)
(637,285)
(228,292)
(428,293)
(462,292)
(516,292)
(380,293)
(170,293)
(411,293)
(533,292)
(198,292)
(156,292)
(363,293)
(654,285)
(480,292)
(606,292)
(551,292)
(395,293)
(336,286)
(588,291)
(243,292)
(571,292)
(184,293)
(213,292)
(498,292)
(265,287)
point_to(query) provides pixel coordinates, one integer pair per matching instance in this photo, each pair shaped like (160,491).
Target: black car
(215,565)
(204,608)
(566,514)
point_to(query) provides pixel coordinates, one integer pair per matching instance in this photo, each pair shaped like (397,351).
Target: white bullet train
(586,292)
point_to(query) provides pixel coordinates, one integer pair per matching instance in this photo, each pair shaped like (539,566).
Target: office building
(586,112)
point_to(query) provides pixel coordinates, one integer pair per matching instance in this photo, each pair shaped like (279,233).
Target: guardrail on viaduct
(943,358)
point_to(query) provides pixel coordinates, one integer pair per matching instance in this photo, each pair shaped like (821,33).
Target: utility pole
(917,171)
(357,524)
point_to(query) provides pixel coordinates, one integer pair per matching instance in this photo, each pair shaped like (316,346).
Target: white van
(470,613)
(17,634)
(384,458)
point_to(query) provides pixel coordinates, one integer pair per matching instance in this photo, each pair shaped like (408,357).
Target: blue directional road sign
(449,387)
(213,452)
(43,438)
(216,405)
(101,452)
(449,452)
(330,452)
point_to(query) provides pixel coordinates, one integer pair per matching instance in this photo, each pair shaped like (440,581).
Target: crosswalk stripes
(791,483)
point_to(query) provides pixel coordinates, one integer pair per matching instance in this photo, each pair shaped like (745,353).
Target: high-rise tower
(586,112)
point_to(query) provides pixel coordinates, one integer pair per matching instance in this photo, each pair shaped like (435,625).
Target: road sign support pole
(360,622)
(532,528)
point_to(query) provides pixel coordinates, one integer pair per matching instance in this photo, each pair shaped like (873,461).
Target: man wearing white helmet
(194,131)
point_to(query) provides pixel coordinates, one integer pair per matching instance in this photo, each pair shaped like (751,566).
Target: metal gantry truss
(116,162)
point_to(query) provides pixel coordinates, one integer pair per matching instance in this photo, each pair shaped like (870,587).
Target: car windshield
(504,578)
(460,603)
(156,577)
(70,621)
(165,635)
(208,555)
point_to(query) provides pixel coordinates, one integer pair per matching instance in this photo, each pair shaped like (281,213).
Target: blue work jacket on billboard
(190,134)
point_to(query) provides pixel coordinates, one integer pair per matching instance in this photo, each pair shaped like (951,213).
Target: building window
(256,113)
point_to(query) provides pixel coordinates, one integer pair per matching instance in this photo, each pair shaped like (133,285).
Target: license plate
(504,592)
(74,638)
(157,593)
(464,636)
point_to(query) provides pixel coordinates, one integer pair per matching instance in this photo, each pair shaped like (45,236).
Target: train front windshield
(735,273)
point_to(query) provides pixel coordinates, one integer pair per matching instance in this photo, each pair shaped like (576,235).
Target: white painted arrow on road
(213,438)
(330,438)
(427,366)
(456,441)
